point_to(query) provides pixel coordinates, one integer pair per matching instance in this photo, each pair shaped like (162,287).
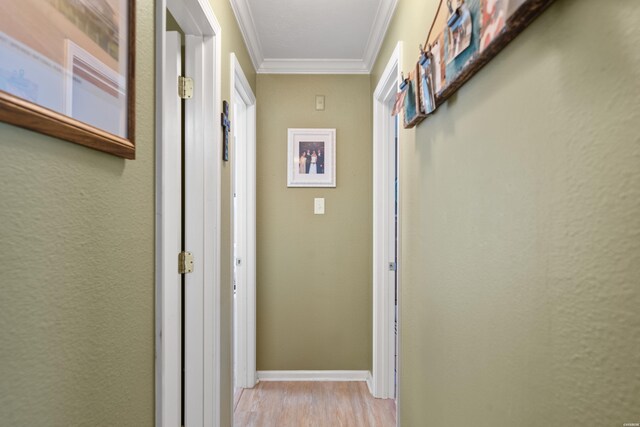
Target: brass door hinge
(185,262)
(185,87)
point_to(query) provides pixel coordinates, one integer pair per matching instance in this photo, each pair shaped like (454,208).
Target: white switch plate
(320,102)
(318,206)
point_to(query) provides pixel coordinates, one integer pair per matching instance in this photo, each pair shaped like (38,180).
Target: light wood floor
(312,404)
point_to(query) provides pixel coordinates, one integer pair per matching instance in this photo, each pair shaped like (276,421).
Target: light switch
(318,206)
(320,102)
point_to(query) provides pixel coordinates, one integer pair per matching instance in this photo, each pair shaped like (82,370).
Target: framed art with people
(311,160)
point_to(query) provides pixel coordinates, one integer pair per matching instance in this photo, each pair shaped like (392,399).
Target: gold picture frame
(65,71)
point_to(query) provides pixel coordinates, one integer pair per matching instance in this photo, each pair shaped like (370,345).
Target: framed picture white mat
(311,159)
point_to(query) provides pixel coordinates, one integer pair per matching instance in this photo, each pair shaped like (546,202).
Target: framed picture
(413,109)
(311,161)
(67,70)
(427,98)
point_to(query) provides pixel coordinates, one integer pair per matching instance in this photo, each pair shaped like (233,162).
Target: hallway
(517,207)
(312,404)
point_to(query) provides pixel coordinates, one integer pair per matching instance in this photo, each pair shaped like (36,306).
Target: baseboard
(315,376)
(370,383)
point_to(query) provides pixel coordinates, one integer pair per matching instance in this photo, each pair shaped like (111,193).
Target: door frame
(196,18)
(245,300)
(384,129)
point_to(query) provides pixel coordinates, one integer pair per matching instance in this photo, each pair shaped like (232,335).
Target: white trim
(168,235)
(364,65)
(239,81)
(213,216)
(379,29)
(245,328)
(313,66)
(399,280)
(194,237)
(196,18)
(313,375)
(384,128)
(247,26)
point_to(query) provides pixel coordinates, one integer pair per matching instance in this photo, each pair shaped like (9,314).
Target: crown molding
(312,66)
(247,25)
(379,29)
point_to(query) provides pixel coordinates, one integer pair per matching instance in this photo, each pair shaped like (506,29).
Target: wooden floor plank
(312,404)
(236,397)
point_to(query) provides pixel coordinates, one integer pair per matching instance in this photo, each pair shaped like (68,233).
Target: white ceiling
(313,36)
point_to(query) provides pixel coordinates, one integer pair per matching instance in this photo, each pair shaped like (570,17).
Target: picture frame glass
(311,158)
(67,61)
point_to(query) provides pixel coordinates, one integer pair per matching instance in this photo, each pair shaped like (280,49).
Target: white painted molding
(378,31)
(383,384)
(314,375)
(196,18)
(364,65)
(168,219)
(390,75)
(370,383)
(313,66)
(245,301)
(239,81)
(247,25)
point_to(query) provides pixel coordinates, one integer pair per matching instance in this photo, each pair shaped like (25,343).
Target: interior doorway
(243,134)
(188,168)
(386,233)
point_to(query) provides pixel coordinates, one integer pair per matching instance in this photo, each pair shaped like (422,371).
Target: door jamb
(246,298)
(383,384)
(195,17)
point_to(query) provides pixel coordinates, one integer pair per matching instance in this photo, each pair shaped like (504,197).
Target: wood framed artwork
(311,159)
(67,69)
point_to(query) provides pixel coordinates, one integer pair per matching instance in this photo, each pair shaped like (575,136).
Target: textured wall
(521,229)
(76,261)
(314,271)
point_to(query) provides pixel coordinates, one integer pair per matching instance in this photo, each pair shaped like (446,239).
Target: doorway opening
(386,233)
(243,107)
(188,324)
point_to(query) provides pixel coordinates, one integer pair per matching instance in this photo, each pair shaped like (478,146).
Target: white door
(187,289)
(196,286)
(243,108)
(240,236)
(189,322)
(386,232)
(393,241)
(169,222)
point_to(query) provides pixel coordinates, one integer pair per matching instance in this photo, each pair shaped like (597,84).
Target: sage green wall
(314,271)
(77,228)
(521,228)
(232,41)
(76,261)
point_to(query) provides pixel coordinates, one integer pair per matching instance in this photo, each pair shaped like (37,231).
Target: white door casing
(169,241)
(243,132)
(202,219)
(384,229)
